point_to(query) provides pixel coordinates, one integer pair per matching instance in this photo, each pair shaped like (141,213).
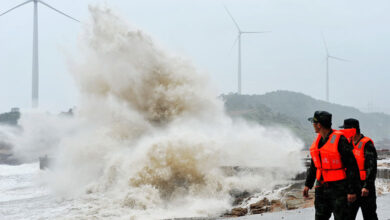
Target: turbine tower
(240,32)
(35,63)
(328,56)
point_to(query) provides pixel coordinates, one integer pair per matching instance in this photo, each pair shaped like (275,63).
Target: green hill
(291,109)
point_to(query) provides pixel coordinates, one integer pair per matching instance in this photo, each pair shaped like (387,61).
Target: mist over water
(149,136)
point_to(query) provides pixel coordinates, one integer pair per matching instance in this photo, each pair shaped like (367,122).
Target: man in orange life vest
(334,168)
(366,156)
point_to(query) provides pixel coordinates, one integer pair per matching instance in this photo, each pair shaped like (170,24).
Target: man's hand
(365,192)
(306,192)
(351,197)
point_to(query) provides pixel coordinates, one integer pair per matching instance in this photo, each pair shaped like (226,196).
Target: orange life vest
(349,133)
(358,151)
(327,159)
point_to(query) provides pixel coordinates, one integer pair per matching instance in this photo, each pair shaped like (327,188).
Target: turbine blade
(326,46)
(234,43)
(231,16)
(16,7)
(338,58)
(47,5)
(255,32)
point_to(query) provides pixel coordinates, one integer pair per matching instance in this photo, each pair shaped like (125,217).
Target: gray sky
(291,57)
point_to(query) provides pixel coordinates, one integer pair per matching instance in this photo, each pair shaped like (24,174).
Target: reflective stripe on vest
(358,151)
(327,159)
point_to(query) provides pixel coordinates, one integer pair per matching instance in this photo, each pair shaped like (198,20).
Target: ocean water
(22,196)
(26,195)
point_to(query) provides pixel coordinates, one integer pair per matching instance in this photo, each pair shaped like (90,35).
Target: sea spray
(151,137)
(37,134)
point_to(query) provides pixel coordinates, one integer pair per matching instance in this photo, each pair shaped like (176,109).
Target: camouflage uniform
(368,203)
(331,197)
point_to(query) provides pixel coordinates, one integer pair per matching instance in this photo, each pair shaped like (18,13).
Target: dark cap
(322,117)
(351,123)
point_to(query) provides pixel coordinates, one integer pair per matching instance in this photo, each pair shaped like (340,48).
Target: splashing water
(151,136)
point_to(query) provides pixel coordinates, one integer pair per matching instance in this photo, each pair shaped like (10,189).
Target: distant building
(68,113)
(15,109)
(10,118)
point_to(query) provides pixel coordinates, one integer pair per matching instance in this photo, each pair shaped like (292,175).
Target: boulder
(294,204)
(260,210)
(238,212)
(260,204)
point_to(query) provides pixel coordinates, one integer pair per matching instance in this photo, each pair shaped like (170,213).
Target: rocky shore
(287,198)
(290,197)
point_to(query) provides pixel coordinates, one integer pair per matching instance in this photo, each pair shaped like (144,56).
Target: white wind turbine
(240,32)
(35,64)
(328,56)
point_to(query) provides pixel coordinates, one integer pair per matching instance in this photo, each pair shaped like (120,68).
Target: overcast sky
(291,57)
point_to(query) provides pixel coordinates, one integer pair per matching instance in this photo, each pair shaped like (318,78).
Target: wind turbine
(240,32)
(328,56)
(35,64)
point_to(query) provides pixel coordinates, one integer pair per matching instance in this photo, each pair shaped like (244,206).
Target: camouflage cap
(322,117)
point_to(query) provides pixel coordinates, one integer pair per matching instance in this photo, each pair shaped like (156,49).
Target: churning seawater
(147,141)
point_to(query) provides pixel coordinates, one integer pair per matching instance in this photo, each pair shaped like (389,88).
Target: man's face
(316,127)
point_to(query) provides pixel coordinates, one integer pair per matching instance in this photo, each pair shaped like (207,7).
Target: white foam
(149,135)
